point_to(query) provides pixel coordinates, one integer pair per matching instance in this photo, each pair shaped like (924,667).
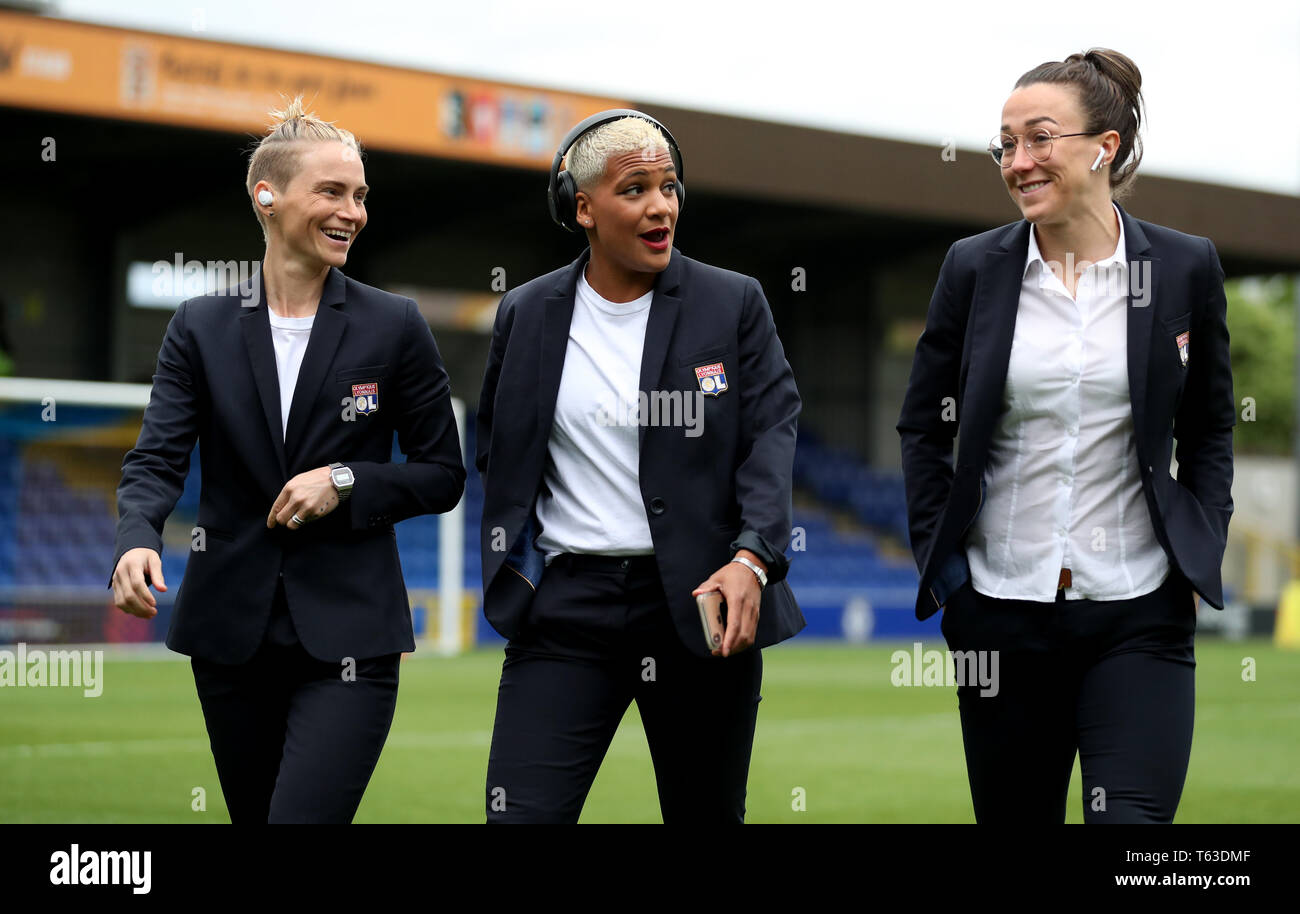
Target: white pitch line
(483,738)
(102,747)
(434,740)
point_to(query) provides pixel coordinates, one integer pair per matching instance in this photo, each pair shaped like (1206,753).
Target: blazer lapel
(659,329)
(326,331)
(992,327)
(255,324)
(556,319)
(1142,272)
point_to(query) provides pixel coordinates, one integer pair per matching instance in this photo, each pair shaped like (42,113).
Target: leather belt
(1064,580)
(574,561)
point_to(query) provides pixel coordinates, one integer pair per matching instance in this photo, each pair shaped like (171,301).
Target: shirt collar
(1119,256)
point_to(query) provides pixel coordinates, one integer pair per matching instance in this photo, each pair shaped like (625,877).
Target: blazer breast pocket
(365,371)
(1178,329)
(703,356)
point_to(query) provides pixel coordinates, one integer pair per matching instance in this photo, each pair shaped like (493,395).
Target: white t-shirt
(592,499)
(290,335)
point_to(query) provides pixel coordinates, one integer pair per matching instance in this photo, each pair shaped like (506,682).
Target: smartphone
(713,617)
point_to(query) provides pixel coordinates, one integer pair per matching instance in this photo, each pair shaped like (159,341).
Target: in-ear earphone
(265,198)
(1101,154)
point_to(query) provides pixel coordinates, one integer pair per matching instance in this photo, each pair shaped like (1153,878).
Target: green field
(830,723)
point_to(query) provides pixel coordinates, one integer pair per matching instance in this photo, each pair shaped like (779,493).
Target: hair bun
(292,111)
(1109,87)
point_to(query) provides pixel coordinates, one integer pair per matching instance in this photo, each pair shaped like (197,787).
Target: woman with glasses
(1063,347)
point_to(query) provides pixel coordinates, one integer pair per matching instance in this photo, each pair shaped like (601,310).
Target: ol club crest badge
(1182,346)
(365,398)
(712,378)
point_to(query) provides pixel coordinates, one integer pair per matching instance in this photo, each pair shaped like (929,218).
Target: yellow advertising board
(77,68)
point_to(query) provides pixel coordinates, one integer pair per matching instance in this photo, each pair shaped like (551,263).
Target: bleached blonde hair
(586,159)
(277,155)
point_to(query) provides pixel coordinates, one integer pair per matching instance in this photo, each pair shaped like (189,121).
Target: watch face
(342,477)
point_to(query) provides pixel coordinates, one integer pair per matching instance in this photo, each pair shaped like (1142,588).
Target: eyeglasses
(1038,143)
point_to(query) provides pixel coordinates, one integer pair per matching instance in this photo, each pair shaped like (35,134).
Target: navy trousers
(1113,681)
(293,737)
(598,637)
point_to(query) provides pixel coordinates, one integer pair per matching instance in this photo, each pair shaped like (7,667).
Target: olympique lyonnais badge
(712,378)
(1182,346)
(365,397)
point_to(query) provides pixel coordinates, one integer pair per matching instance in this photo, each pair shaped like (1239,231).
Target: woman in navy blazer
(293,608)
(1066,353)
(636,434)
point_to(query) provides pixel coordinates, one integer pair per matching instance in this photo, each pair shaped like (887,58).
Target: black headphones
(561,193)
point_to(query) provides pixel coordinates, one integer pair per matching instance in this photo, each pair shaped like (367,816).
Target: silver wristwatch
(343,479)
(762,575)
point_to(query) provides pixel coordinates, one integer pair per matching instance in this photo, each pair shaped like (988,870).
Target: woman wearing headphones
(293,608)
(636,434)
(1075,346)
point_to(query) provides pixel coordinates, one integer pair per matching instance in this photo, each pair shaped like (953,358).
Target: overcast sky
(1221,80)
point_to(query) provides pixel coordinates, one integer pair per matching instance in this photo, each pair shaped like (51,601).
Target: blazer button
(656,505)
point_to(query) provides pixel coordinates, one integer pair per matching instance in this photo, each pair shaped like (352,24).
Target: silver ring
(298,519)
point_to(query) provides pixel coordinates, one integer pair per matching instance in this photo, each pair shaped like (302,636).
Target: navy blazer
(963,355)
(705,497)
(217,383)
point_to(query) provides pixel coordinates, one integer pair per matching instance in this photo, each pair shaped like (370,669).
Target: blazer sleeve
(154,471)
(927,423)
(491,375)
(769,407)
(432,478)
(1206,416)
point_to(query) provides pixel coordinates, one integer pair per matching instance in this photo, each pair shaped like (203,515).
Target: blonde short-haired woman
(294,611)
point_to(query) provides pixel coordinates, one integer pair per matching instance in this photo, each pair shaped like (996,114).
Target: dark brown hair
(1110,93)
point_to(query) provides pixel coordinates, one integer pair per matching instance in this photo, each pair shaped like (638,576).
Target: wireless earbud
(265,198)
(1101,154)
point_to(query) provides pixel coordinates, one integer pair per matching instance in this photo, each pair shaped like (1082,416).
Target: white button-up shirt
(1063,484)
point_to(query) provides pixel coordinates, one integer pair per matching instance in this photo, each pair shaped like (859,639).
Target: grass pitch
(831,729)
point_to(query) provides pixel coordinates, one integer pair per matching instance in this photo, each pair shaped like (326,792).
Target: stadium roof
(100,71)
(748,157)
